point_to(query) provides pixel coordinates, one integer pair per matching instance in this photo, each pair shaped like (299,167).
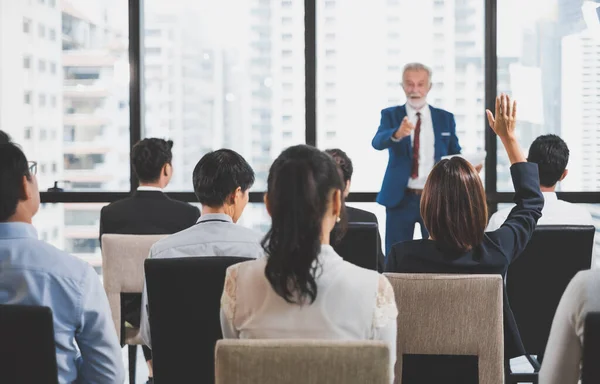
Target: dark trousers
(131,304)
(400,221)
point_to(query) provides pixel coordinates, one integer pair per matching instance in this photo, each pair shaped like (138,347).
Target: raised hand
(504,121)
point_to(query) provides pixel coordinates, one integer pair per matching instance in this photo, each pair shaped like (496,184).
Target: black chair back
(184,296)
(27,349)
(537,279)
(590,369)
(358,245)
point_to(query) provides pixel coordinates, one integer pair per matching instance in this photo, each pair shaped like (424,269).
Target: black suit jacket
(147,213)
(356,215)
(493,256)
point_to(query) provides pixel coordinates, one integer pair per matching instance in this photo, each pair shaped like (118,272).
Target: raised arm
(101,357)
(514,234)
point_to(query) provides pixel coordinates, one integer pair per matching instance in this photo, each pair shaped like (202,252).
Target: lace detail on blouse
(229,292)
(385,307)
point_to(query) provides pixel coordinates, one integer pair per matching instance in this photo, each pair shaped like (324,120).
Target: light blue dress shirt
(33,272)
(214,234)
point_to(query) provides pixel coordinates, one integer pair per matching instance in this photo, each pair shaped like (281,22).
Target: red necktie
(416,145)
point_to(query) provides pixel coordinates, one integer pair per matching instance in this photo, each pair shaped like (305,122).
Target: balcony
(85,88)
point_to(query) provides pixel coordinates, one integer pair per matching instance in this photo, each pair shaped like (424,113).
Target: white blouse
(562,359)
(352,303)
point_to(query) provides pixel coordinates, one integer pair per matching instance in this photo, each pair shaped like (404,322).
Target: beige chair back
(123,270)
(302,362)
(451,315)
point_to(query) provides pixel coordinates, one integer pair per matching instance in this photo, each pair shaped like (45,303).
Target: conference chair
(449,328)
(535,283)
(184,301)
(590,369)
(358,244)
(123,274)
(302,362)
(27,350)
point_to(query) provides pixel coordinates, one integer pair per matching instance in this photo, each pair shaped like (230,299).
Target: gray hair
(417,67)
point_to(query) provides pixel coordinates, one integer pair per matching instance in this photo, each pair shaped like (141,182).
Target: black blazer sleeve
(514,234)
(392,263)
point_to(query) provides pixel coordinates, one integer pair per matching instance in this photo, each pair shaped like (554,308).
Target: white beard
(416,104)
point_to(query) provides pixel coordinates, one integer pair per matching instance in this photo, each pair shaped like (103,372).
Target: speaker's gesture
(405,128)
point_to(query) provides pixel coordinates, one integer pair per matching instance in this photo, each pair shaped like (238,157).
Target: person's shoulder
(117,206)
(360,215)
(576,213)
(392,109)
(59,263)
(441,111)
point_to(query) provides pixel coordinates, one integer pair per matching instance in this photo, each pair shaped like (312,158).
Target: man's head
(345,165)
(551,154)
(151,161)
(19,194)
(221,182)
(416,82)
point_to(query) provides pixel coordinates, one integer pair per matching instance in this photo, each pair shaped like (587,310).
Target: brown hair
(453,205)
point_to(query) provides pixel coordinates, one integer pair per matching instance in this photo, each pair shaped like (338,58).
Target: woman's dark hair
(218,174)
(453,205)
(13,166)
(299,189)
(149,156)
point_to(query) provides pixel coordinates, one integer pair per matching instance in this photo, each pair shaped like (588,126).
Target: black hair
(218,174)
(343,161)
(13,166)
(149,156)
(299,185)
(551,154)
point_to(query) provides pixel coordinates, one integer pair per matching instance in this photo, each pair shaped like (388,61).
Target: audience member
(355,215)
(551,154)
(148,211)
(302,288)
(454,210)
(221,182)
(36,273)
(562,359)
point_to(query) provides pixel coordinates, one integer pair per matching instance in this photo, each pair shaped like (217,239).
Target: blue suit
(403,210)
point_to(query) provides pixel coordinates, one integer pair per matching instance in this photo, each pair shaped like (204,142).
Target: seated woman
(562,359)
(454,211)
(302,289)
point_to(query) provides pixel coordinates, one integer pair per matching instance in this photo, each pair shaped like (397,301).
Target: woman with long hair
(302,288)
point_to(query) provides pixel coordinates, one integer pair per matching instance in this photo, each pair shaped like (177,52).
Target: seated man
(147,212)
(36,273)
(551,154)
(221,182)
(355,215)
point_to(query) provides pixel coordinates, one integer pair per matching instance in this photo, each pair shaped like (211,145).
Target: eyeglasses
(32,167)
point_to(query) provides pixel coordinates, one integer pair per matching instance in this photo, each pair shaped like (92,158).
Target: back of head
(218,174)
(301,183)
(13,166)
(343,161)
(453,205)
(149,156)
(551,154)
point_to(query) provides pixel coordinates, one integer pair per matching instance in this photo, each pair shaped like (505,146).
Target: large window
(359,71)
(549,60)
(73,115)
(216,78)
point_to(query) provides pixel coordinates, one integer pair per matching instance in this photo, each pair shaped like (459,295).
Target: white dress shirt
(562,358)
(149,188)
(215,234)
(352,303)
(555,212)
(426,144)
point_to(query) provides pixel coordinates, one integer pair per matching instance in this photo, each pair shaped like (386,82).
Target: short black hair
(343,161)
(13,166)
(218,174)
(149,156)
(551,154)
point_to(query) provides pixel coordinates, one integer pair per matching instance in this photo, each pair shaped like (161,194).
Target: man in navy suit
(416,136)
